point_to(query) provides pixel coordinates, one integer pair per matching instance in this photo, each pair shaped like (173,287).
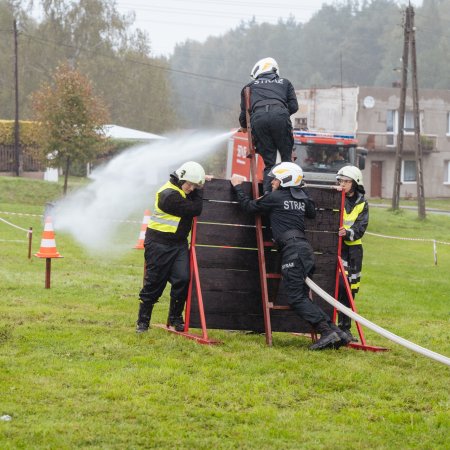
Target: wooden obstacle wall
(228,261)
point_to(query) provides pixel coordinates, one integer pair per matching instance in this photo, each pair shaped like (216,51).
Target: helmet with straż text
(265,65)
(350,173)
(192,172)
(289,174)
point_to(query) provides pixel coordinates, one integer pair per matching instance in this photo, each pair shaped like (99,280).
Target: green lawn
(442,203)
(73,374)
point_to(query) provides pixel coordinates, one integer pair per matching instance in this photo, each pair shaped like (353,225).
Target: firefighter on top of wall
(356,219)
(287,205)
(272,101)
(166,253)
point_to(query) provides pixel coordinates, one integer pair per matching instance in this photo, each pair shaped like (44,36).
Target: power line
(217,4)
(141,63)
(216,105)
(133,61)
(433,19)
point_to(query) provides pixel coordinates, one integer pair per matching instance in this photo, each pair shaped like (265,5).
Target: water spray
(126,185)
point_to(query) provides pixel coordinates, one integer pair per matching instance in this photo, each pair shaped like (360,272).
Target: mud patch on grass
(6,333)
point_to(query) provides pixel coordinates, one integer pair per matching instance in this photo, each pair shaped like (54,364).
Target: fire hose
(385,333)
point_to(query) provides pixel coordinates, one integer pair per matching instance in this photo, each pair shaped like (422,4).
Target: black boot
(345,323)
(328,337)
(144,316)
(176,314)
(343,336)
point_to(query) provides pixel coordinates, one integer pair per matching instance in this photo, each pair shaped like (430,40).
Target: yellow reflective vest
(160,220)
(349,220)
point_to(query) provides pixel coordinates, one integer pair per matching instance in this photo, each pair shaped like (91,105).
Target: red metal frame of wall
(340,272)
(348,290)
(195,278)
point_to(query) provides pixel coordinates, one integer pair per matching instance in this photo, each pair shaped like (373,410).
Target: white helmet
(192,172)
(264,65)
(350,173)
(289,174)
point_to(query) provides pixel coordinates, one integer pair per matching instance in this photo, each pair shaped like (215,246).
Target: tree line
(350,42)
(346,43)
(93,38)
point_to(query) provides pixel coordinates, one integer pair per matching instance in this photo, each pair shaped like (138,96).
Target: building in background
(372,114)
(33,168)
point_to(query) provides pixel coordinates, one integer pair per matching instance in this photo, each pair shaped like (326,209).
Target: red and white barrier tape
(15,226)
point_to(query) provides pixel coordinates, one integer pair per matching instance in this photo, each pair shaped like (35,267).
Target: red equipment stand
(340,272)
(363,345)
(195,278)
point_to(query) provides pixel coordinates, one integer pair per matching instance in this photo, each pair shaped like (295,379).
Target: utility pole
(401,112)
(17,146)
(415,88)
(342,92)
(409,43)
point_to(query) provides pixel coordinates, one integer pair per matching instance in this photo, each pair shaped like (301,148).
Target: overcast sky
(170,22)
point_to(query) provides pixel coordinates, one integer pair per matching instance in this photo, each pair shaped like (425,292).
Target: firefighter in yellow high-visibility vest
(166,254)
(356,219)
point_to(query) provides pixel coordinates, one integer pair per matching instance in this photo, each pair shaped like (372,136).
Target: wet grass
(442,203)
(73,374)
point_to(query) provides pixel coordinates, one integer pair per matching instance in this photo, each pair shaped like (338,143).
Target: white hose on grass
(387,334)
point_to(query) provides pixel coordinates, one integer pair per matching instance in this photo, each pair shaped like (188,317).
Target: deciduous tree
(71,118)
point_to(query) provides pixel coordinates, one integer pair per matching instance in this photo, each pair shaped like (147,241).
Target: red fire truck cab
(319,154)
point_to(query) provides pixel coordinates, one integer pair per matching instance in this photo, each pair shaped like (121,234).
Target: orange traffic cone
(48,244)
(141,239)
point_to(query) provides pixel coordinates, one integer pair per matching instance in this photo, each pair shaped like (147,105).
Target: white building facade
(372,114)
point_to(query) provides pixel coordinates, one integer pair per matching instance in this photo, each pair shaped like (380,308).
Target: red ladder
(261,244)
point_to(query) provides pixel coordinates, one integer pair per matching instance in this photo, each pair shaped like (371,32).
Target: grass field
(73,374)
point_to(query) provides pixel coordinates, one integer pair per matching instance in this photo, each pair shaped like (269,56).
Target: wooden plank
(220,321)
(326,283)
(326,263)
(219,189)
(243,259)
(246,260)
(225,212)
(282,321)
(227,258)
(323,242)
(273,260)
(325,220)
(328,198)
(247,281)
(223,302)
(226,235)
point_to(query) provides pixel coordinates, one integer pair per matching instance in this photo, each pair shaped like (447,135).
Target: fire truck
(319,154)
